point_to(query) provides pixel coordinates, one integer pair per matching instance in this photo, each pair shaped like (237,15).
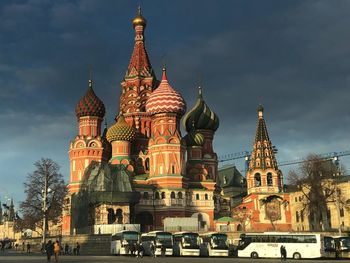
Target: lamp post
(336,176)
(45,193)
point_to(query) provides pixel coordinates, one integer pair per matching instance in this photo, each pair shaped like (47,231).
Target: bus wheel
(254,255)
(296,255)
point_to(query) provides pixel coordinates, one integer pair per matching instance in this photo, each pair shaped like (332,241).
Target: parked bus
(214,245)
(122,241)
(342,246)
(158,239)
(268,244)
(186,244)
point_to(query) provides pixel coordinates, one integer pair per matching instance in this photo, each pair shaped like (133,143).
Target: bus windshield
(131,236)
(191,239)
(344,242)
(165,239)
(219,240)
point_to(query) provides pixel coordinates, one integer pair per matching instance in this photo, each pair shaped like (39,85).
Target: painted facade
(266,200)
(136,171)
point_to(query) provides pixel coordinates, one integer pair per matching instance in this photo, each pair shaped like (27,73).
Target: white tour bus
(159,239)
(186,244)
(342,246)
(298,245)
(122,241)
(214,245)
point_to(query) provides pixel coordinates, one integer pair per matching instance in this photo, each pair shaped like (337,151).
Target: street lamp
(45,193)
(336,177)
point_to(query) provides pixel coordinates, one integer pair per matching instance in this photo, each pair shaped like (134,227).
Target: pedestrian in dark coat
(49,250)
(153,250)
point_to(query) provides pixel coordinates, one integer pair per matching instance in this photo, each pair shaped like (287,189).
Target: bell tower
(263,175)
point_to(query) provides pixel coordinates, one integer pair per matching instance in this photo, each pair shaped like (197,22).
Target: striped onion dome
(90,104)
(120,131)
(165,99)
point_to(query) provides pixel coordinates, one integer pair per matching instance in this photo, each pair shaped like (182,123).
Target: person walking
(140,250)
(56,250)
(153,249)
(78,249)
(28,248)
(283,253)
(163,250)
(23,246)
(49,250)
(66,249)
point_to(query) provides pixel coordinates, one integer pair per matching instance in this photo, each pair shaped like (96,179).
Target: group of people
(137,250)
(55,248)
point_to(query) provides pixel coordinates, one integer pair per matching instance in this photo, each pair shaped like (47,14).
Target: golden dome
(139,19)
(120,131)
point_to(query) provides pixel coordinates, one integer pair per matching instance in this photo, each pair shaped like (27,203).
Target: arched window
(297,216)
(197,196)
(172,195)
(257,179)
(302,216)
(172,169)
(147,164)
(119,215)
(179,195)
(269,179)
(280,182)
(110,216)
(145,195)
(156,196)
(206,196)
(163,195)
(239,227)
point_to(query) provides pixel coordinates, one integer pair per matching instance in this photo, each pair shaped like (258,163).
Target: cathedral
(142,169)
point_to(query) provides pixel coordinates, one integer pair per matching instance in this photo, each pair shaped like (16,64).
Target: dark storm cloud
(292,56)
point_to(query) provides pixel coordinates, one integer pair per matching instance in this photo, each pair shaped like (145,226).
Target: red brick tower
(166,153)
(87,146)
(201,123)
(139,82)
(269,204)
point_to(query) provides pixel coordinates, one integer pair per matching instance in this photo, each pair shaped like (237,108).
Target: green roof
(225,219)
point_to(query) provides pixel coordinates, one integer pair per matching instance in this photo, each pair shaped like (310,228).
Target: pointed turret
(139,63)
(263,155)
(11,211)
(263,174)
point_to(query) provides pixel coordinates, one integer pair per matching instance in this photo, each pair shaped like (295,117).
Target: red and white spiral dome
(165,99)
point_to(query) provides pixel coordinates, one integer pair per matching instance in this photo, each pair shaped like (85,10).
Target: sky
(291,56)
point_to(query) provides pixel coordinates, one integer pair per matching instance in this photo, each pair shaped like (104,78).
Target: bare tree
(56,189)
(315,179)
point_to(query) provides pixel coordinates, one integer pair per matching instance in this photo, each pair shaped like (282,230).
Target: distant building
(302,220)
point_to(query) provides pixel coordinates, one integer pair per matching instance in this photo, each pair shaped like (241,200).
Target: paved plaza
(12,257)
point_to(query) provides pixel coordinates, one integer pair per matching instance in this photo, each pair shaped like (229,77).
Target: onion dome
(194,138)
(139,20)
(90,104)
(200,117)
(165,99)
(120,131)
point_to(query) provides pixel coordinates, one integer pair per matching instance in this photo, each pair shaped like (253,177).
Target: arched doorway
(145,219)
(111,216)
(119,216)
